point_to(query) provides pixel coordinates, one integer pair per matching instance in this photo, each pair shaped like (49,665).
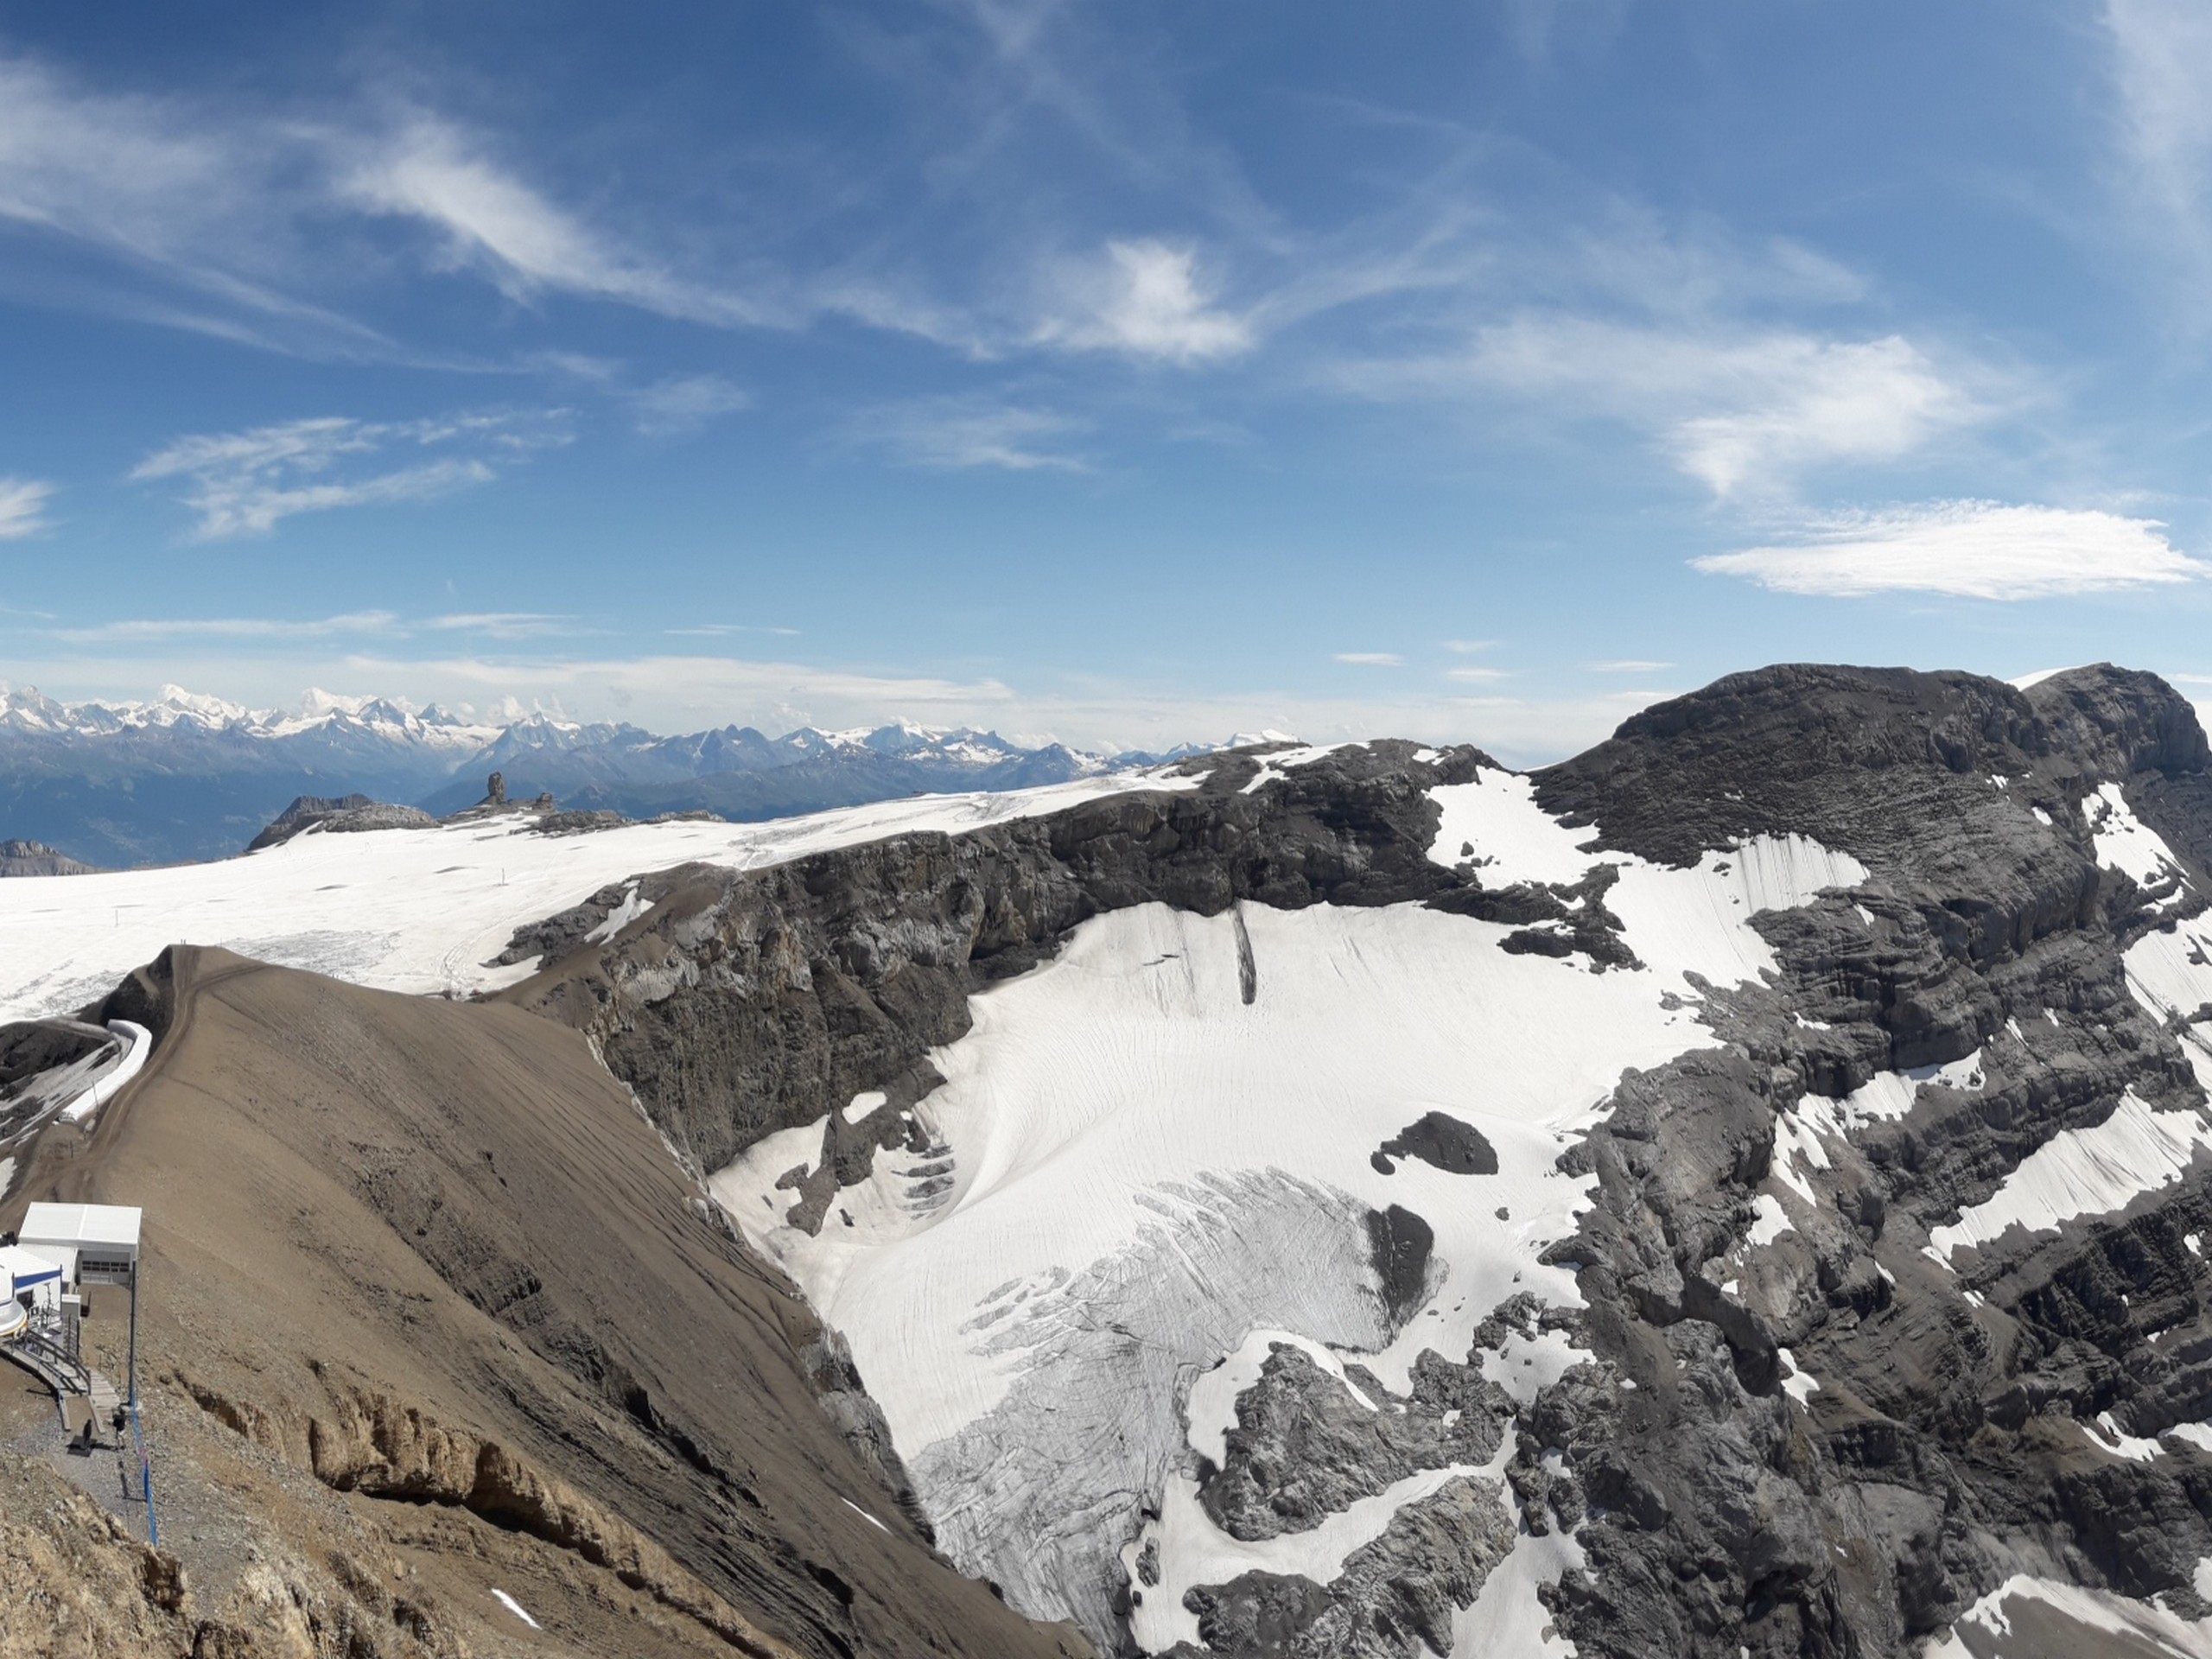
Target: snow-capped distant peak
(317,704)
(216,710)
(1254,740)
(232,764)
(812,740)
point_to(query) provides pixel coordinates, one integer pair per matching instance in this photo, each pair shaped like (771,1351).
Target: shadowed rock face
(745,1003)
(1942,1451)
(1723,1503)
(346,814)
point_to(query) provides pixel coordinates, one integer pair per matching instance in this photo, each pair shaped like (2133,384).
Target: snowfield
(419,911)
(1150,1177)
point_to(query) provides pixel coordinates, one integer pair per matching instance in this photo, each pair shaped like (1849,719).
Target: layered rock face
(1880,1288)
(346,813)
(36,858)
(1969,1401)
(747,1002)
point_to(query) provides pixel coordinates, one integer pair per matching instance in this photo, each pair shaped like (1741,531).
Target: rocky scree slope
(1805,1419)
(433,1314)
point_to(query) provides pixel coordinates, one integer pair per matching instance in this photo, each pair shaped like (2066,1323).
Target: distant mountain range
(187,777)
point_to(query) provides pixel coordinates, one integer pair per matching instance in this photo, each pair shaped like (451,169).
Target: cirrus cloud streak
(1968,550)
(247,483)
(22,507)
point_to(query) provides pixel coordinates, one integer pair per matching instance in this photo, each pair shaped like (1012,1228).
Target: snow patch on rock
(2153,1629)
(2090,1171)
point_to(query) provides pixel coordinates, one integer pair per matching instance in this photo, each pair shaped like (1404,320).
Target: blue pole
(145,1478)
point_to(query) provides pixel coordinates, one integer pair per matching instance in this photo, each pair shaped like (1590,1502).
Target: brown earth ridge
(431,1311)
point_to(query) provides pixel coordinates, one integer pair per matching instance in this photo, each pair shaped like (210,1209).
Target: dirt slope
(429,1304)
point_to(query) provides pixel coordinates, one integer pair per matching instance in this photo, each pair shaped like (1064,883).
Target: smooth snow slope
(1146,1170)
(418,910)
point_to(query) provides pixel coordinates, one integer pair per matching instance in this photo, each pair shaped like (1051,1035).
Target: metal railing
(60,1371)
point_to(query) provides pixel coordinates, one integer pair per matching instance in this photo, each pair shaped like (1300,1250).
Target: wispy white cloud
(1971,549)
(379,624)
(2162,57)
(684,403)
(721,629)
(1627,666)
(234,202)
(266,628)
(958,434)
(1370,658)
(1743,411)
(1144,299)
(503,625)
(126,171)
(1477,676)
(247,483)
(22,507)
(492,221)
(177,194)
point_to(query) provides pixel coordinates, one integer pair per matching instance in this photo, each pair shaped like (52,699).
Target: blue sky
(1126,373)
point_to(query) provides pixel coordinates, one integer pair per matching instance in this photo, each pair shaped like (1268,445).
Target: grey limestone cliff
(1822,1439)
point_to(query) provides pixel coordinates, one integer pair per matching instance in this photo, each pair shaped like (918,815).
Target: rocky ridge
(740,1003)
(36,858)
(347,814)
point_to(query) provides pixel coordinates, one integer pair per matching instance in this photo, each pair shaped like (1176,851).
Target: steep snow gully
(1739,1193)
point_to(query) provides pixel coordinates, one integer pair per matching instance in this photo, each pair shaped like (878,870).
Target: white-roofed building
(87,1244)
(92,1243)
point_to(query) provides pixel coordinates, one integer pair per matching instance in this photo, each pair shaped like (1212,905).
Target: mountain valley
(187,778)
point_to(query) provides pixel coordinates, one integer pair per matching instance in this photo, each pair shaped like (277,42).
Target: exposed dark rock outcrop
(1303,1447)
(748,1002)
(346,814)
(1943,1449)
(36,858)
(1442,1139)
(1395,1599)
